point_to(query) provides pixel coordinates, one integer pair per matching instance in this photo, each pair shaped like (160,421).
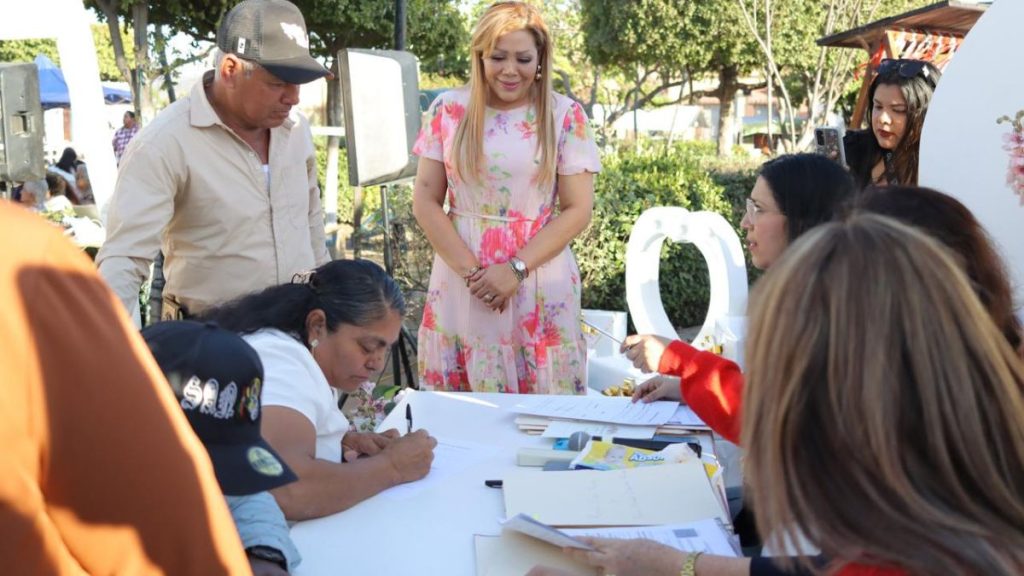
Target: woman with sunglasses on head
(887,153)
(792,194)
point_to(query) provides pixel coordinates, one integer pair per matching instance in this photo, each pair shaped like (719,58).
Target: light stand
(399,354)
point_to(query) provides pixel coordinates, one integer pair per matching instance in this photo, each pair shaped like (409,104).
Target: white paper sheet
(565,428)
(706,536)
(598,409)
(685,417)
(450,456)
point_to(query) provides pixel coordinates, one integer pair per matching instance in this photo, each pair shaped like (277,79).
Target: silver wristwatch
(519,268)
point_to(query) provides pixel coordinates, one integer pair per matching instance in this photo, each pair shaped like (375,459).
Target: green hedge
(686,175)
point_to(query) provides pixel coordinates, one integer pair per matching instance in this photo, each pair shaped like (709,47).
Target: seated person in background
(217,379)
(947,220)
(886,154)
(58,186)
(34,194)
(67,168)
(329,330)
(883,419)
(83,184)
(100,473)
(792,195)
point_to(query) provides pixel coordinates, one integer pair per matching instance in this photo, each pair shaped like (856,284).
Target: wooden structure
(932,33)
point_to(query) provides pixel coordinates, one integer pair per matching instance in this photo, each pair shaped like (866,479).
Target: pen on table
(408,418)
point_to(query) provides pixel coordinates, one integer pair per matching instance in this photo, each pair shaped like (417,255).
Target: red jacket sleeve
(710,384)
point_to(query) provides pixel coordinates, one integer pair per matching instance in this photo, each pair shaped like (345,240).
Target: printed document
(597,409)
(708,536)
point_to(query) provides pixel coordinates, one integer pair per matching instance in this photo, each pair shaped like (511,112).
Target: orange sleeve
(711,385)
(102,473)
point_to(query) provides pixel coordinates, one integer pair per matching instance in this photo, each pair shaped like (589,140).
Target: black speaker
(21,128)
(380,90)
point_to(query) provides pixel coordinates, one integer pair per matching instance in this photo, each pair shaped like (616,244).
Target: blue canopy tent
(53,90)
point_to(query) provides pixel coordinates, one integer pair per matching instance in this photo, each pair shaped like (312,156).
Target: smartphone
(829,142)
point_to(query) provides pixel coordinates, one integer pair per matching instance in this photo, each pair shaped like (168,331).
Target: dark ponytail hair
(354,292)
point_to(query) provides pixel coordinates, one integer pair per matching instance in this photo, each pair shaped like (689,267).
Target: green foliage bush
(687,175)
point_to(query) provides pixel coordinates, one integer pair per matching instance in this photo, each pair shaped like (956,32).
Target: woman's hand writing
(495,286)
(645,350)
(411,455)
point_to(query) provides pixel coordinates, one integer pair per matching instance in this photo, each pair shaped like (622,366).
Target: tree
(144,69)
(658,46)
(27,50)
(105,56)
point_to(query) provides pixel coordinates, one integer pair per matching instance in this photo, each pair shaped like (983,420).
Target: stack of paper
(603,416)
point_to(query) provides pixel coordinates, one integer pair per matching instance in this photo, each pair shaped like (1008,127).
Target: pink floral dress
(535,345)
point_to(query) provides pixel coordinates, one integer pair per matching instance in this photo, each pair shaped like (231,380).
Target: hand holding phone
(829,142)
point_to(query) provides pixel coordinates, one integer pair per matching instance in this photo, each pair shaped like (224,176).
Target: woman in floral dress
(516,164)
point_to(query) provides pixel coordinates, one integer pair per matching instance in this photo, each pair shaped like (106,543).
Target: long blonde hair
(468,150)
(884,411)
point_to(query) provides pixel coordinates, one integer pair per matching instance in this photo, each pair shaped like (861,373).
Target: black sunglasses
(906,69)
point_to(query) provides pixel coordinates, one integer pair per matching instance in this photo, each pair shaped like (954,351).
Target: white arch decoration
(718,243)
(965,151)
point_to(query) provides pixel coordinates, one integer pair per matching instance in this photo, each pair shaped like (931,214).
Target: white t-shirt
(292,379)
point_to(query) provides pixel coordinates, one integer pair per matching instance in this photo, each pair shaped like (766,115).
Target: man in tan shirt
(226,179)
(100,473)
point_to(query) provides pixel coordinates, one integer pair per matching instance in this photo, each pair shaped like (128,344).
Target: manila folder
(514,554)
(645,496)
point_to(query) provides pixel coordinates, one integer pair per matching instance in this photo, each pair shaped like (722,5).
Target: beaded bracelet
(690,565)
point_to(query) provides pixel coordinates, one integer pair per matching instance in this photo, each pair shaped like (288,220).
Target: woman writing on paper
(327,331)
(884,420)
(792,195)
(515,163)
(713,385)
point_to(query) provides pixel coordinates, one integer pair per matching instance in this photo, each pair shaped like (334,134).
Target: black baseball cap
(217,378)
(273,34)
